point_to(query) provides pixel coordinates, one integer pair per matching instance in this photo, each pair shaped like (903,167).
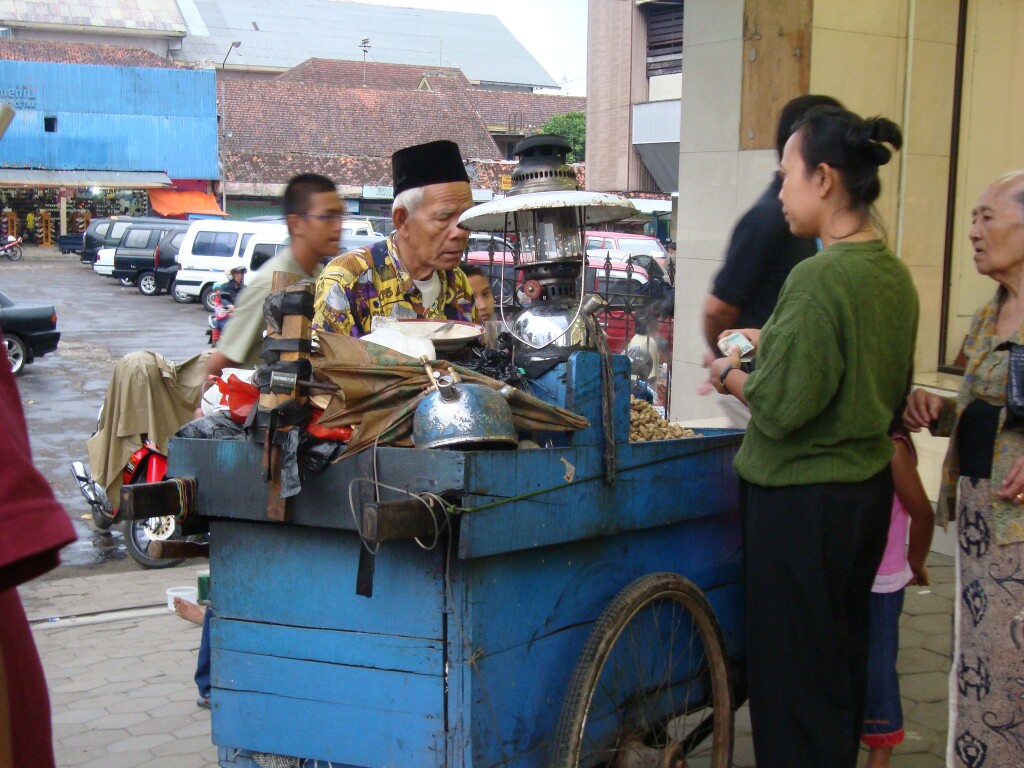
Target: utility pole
(365,46)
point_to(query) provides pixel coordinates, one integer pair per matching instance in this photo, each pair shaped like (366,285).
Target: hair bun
(870,136)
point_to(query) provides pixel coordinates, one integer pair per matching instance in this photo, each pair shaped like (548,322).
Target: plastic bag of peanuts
(645,424)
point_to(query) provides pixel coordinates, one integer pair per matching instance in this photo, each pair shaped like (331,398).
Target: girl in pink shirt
(901,565)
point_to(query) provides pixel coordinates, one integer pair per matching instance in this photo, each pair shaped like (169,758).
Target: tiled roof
(257,167)
(281,117)
(78,53)
(377,75)
(143,15)
(518,111)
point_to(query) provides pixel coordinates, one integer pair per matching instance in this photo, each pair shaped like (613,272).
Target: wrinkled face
(800,193)
(997,231)
(319,228)
(483,297)
(430,239)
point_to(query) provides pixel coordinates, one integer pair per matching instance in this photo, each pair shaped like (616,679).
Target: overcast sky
(554,31)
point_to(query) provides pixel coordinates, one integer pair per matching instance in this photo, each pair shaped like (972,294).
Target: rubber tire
(207,297)
(181,298)
(15,253)
(148,285)
(603,638)
(137,544)
(17,353)
(127,282)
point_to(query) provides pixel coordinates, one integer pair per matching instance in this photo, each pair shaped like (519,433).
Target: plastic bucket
(185,593)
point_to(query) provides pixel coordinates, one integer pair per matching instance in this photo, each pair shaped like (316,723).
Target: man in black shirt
(762,250)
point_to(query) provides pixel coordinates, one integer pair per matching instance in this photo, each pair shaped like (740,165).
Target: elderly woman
(983,489)
(833,366)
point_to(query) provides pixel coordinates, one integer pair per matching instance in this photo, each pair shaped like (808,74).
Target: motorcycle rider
(227,297)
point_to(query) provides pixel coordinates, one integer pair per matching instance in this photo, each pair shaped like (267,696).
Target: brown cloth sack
(381,388)
(148,396)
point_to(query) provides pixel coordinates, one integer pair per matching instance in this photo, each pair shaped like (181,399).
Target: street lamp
(548,214)
(224,110)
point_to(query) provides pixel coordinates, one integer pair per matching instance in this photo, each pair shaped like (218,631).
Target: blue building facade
(74,117)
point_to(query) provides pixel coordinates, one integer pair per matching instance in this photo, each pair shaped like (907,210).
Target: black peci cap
(436,162)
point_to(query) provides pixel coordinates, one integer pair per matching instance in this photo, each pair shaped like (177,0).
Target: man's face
(430,239)
(319,228)
(483,297)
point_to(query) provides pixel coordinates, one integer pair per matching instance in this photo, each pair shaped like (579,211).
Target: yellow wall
(991,139)
(897,58)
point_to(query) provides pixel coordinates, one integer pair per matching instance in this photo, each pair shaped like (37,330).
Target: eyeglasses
(329,217)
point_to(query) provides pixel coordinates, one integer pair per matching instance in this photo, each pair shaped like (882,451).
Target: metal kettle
(464,415)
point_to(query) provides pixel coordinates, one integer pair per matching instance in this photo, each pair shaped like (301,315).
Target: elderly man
(414,273)
(313,211)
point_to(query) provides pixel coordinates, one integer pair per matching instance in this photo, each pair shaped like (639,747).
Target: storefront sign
(351,206)
(506,182)
(19,96)
(378,193)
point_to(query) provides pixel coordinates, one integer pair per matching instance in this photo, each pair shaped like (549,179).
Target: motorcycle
(11,248)
(218,319)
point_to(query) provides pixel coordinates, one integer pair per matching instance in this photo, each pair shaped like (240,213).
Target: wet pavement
(99,321)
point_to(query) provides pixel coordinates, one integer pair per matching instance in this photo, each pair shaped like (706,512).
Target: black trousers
(812,552)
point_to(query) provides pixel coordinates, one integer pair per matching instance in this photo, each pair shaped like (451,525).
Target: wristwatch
(725,373)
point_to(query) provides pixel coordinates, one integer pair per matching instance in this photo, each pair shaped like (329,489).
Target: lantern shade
(496,215)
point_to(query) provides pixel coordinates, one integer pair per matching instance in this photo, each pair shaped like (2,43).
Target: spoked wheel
(139,534)
(652,687)
(15,253)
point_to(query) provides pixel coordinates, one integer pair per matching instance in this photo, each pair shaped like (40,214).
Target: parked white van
(211,248)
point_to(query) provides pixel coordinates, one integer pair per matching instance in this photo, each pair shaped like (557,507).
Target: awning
(26,177)
(171,202)
(651,206)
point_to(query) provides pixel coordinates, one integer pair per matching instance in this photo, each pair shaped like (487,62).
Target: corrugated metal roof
(280,37)
(22,177)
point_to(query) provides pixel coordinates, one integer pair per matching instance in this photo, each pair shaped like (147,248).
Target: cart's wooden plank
(305,577)
(657,483)
(528,613)
(358,649)
(380,719)
(324,500)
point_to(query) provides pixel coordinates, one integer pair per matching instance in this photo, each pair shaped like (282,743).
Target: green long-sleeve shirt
(833,365)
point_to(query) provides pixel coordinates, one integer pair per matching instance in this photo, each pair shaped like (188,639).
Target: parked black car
(106,233)
(135,260)
(29,329)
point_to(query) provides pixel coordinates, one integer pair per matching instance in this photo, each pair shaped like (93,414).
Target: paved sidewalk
(119,667)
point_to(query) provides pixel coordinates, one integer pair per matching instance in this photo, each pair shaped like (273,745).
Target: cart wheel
(652,684)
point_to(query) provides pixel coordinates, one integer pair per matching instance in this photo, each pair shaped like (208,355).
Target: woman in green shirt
(833,365)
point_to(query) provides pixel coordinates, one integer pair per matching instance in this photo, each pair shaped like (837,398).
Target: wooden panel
(657,483)
(323,501)
(358,649)
(361,731)
(776,65)
(525,618)
(305,577)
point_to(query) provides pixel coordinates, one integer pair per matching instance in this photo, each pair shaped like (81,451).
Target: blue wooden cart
(551,618)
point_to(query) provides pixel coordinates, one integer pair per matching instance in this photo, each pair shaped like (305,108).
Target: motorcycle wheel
(137,542)
(15,253)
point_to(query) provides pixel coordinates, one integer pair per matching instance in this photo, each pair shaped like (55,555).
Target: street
(99,321)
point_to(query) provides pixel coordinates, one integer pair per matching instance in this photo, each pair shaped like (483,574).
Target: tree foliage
(572,126)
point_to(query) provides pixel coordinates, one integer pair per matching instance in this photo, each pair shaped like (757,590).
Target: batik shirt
(985,378)
(370,281)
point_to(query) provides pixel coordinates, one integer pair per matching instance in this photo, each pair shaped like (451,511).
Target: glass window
(262,253)
(639,245)
(118,229)
(176,240)
(245,240)
(101,229)
(215,244)
(136,238)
